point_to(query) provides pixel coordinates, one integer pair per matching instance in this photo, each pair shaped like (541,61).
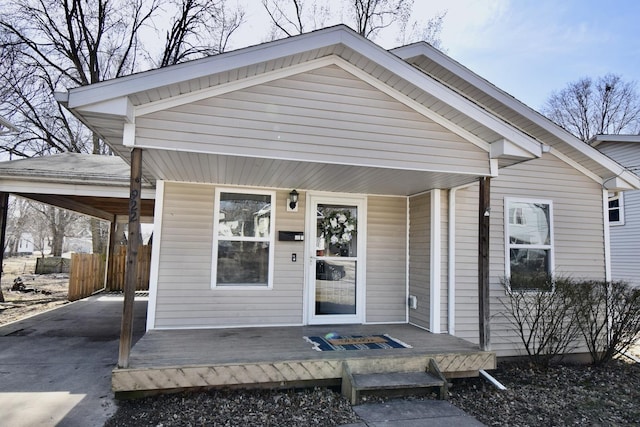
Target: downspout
(607,235)
(451,259)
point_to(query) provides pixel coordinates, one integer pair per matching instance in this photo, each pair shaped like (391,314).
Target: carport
(93,185)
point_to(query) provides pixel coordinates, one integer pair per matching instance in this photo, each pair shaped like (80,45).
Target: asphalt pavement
(55,367)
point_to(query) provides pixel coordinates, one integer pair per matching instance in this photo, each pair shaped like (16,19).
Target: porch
(169,360)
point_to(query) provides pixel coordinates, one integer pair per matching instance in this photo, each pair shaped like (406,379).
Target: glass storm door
(335,245)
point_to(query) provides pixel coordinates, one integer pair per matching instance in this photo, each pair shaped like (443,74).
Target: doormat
(332,342)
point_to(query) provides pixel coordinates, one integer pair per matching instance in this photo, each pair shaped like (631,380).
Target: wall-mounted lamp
(292,206)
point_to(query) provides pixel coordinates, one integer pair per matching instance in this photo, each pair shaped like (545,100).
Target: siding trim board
(155,256)
(435,260)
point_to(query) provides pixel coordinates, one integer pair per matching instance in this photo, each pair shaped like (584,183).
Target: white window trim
(620,196)
(508,246)
(216,223)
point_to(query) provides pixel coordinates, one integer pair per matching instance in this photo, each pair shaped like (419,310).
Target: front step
(353,384)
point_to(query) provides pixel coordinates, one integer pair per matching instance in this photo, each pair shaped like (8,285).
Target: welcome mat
(334,342)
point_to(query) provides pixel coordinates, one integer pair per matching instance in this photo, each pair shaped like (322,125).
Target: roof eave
(424,49)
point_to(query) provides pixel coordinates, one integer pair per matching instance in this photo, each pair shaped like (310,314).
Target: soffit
(273,173)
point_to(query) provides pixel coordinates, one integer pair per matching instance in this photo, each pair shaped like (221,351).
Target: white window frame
(270,240)
(619,195)
(508,245)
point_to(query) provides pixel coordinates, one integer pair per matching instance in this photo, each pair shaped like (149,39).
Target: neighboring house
(624,208)
(25,244)
(386,150)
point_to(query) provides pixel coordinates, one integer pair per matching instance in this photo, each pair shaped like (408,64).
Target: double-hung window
(243,238)
(616,209)
(529,239)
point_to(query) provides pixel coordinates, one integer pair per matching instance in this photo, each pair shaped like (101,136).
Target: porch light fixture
(293,200)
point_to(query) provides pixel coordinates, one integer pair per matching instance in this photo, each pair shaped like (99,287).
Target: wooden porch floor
(280,357)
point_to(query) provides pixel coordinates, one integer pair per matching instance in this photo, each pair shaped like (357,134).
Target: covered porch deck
(169,360)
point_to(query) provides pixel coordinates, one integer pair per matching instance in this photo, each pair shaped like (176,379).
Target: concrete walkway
(55,367)
(412,413)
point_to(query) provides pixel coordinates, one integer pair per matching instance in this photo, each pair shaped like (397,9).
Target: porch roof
(111,109)
(506,130)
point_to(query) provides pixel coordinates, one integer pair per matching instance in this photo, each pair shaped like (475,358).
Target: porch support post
(4,206)
(483,263)
(133,242)
(110,252)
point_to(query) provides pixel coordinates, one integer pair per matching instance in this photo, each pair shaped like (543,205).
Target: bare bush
(608,316)
(542,312)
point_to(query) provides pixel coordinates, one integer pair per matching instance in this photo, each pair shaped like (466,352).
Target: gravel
(559,396)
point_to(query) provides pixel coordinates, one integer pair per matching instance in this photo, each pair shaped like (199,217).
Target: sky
(528,48)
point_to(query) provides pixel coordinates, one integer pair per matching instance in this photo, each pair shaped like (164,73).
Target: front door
(335,279)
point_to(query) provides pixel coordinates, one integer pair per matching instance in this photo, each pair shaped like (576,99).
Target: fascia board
(119,107)
(506,148)
(618,184)
(423,49)
(152,79)
(599,139)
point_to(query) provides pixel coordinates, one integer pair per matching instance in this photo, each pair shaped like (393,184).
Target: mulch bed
(559,396)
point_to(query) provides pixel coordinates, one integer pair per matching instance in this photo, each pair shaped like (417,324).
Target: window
(529,243)
(243,238)
(616,209)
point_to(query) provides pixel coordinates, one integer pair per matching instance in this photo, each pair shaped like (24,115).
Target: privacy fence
(86,275)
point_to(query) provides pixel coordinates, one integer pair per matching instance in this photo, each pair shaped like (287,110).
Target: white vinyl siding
(578,238)
(325,115)
(386,259)
(419,257)
(185,298)
(625,238)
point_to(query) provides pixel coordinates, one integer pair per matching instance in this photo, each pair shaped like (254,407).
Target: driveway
(55,368)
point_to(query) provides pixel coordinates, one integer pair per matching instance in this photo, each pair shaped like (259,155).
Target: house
(419,182)
(624,208)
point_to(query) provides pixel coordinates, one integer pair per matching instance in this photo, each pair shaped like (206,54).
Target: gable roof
(562,143)
(417,75)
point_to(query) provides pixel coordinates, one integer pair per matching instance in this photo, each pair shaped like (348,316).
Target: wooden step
(395,380)
(353,384)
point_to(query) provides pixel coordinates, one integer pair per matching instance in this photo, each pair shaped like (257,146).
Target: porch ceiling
(261,172)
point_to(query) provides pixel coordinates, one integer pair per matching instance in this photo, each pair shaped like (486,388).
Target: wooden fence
(86,275)
(87,272)
(119,262)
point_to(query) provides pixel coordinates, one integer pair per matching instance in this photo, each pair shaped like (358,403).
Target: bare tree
(367,17)
(429,32)
(588,107)
(52,223)
(371,16)
(48,45)
(291,17)
(18,217)
(199,28)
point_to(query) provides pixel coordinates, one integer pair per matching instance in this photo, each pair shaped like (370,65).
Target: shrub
(542,312)
(608,316)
